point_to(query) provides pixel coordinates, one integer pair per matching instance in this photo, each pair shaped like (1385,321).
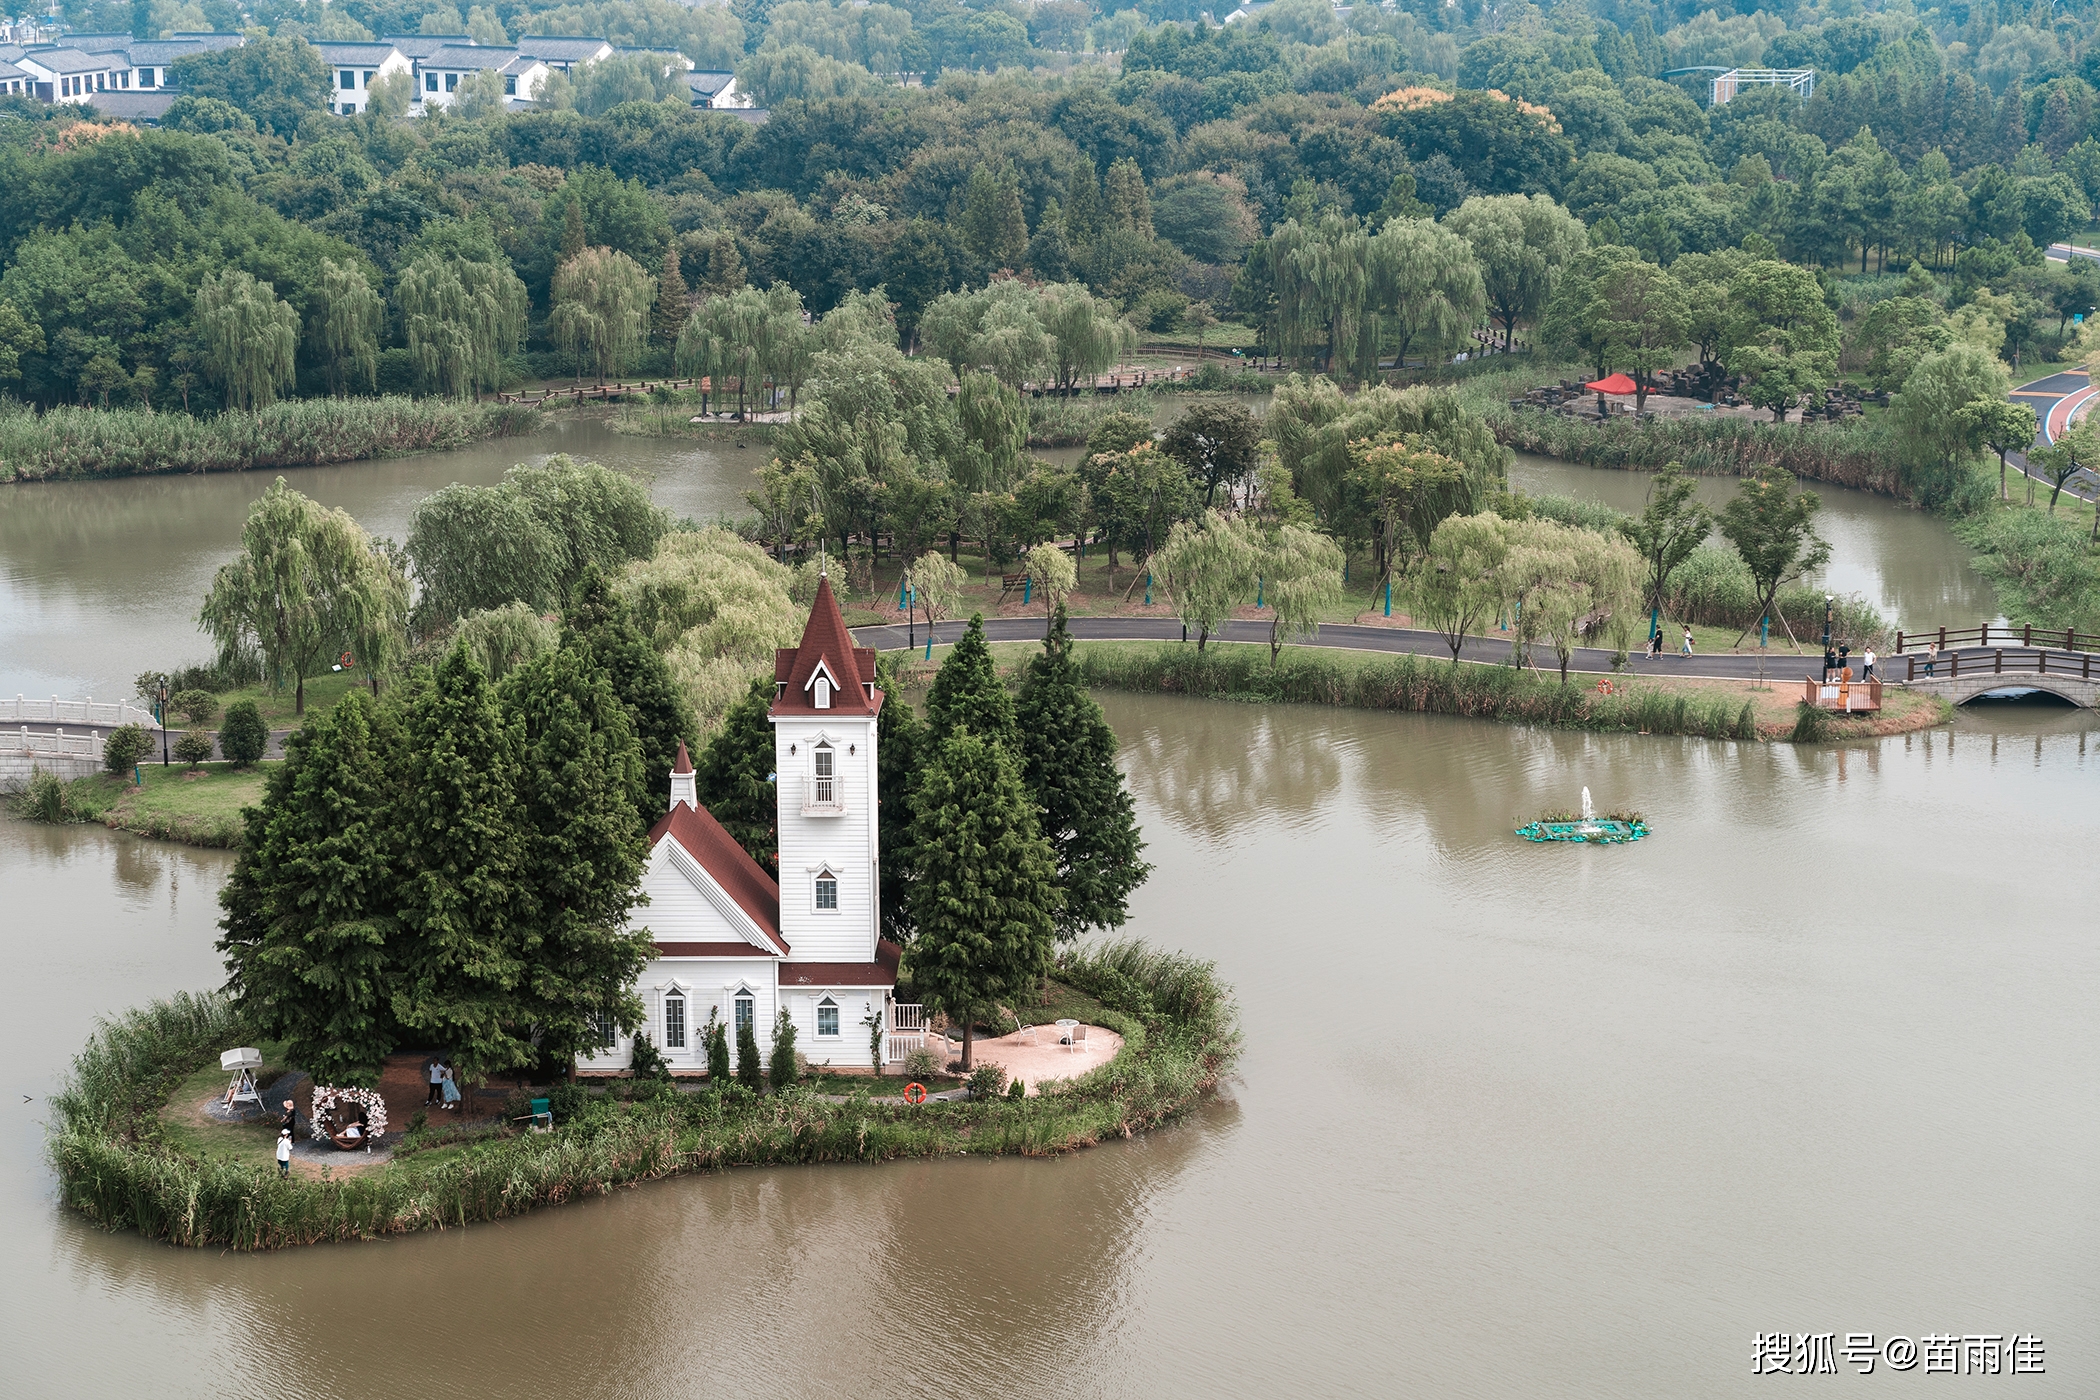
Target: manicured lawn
(201,806)
(188,1130)
(276,706)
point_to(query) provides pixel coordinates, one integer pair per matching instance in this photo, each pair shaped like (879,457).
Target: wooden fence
(2044,663)
(1981,635)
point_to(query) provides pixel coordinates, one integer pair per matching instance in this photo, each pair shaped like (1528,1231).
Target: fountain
(1611,830)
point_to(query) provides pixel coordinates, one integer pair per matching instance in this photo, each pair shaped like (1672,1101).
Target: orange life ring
(915,1093)
(1604,685)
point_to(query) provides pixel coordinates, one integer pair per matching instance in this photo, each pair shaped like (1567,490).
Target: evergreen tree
(734,777)
(749,1072)
(782,1069)
(899,741)
(967,691)
(1068,761)
(582,854)
(671,309)
(715,1036)
(986,898)
(572,229)
(661,715)
(307,907)
(460,897)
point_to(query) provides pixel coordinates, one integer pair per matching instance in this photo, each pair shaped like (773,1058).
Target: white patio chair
(1079,1044)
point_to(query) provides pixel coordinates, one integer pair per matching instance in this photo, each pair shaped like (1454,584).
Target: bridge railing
(110,714)
(1982,635)
(2044,663)
(57,745)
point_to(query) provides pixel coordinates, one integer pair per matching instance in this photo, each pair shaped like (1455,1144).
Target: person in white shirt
(1866,672)
(284,1152)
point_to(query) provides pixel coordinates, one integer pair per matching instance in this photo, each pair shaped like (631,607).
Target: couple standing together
(443,1090)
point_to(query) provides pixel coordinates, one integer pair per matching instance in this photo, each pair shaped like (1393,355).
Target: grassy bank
(1424,685)
(118,1165)
(200,806)
(69,443)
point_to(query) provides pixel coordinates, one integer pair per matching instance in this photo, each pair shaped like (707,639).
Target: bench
(1009,582)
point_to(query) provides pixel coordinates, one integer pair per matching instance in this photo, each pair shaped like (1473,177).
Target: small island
(503,945)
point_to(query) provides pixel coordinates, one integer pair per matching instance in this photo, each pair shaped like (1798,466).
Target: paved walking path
(1780,663)
(2057,400)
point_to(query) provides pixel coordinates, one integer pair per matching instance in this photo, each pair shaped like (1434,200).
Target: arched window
(674,1020)
(822,691)
(827,1017)
(746,1010)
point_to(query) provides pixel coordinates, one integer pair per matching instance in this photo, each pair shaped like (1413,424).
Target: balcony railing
(822,797)
(907,1031)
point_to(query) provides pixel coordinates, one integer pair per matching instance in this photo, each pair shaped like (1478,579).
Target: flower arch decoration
(326,1098)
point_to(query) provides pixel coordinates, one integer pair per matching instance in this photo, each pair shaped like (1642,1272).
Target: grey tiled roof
(561,48)
(470,56)
(74,61)
(347,54)
(423,45)
(134,106)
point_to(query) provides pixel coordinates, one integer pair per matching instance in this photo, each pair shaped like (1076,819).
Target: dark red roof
(684,762)
(826,640)
(708,950)
(745,880)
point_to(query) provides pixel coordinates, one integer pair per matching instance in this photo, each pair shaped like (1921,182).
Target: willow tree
(1566,583)
(1462,583)
(1423,286)
(1300,577)
(348,317)
(250,338)
(602,300)
(1521,242)
(463,318)
(308,581)
(701,351)
(1321,279)
(1086,334)
(1209,567)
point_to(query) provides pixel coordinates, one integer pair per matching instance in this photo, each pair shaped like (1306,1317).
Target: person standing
(437,1082)
(1866,672)
(1932,656)
(1830,664)
(291,1117)
(1845,660)
(451,1090)
(284,1152)
(1688,640)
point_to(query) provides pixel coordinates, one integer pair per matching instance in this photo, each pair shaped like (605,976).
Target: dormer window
(822,692)
(821,685)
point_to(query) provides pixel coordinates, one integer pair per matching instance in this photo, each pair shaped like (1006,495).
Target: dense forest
(257,247)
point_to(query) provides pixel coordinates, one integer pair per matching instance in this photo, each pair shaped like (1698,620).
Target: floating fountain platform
(1589,827)
(1602,832)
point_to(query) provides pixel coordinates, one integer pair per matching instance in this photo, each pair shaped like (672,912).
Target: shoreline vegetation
(118,1164)
(71,444)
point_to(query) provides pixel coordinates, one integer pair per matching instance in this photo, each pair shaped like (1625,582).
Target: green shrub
(193,748)
(1017,1091)
(196,706)
(987,1081)
(748,1071)
(1811,723)
(648,1061)
(782,1069)
(920,1064)
(124,747)
(244,736)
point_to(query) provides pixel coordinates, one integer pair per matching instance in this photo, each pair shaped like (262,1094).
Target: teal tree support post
(1148,589)
(1389,597)
(1027,589)
(1654,622)
(1764,630)
(1258,594)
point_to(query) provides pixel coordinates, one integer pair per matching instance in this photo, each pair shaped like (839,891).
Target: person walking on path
(1688,641)
(284,1152)
(1655,645)
(437,1082)
(451,1090)
(1867,665)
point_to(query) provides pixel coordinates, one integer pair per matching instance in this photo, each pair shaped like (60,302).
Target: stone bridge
(1961,689)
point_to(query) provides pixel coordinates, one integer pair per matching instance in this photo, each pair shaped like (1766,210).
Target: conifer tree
(715,1036)
(661,715)
(749,1072)
(307,908)
(900,739)
(986,897)
(782,1069)
(572,239)
(671,309)
(460,898)
(1068,761)
(582,854)
(733,777)
(967,691)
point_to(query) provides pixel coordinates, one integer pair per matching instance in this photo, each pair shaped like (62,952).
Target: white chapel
(728,937)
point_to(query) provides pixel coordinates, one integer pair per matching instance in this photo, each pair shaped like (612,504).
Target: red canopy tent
(1613,384)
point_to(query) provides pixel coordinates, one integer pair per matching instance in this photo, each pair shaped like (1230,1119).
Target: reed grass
(114,1166)
(1421,685)
(1859,453)
(69,443)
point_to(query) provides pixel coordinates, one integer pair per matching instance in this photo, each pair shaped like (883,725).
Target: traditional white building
(730,938)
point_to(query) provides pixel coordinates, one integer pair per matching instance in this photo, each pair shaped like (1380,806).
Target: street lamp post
(161,713)
(1829,610)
